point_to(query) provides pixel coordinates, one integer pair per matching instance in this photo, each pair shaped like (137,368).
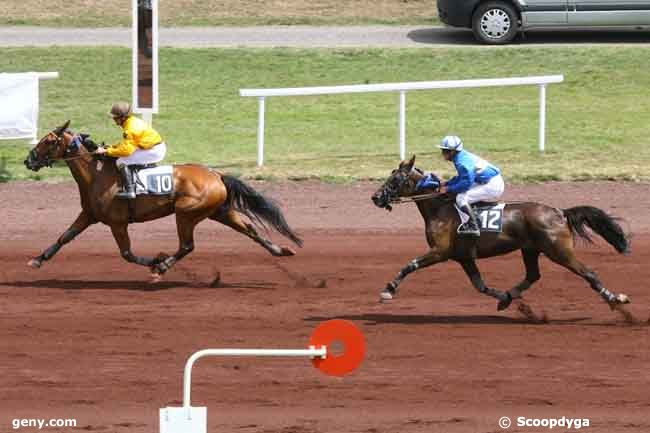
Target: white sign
(19,107)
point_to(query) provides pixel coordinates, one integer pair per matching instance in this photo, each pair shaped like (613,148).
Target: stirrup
(125,194)
(463,230)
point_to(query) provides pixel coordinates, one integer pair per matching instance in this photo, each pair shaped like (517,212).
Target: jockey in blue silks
(477,180)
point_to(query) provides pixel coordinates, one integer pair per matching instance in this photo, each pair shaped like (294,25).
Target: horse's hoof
(286,251)
(504,303)
(386,296)
(623,299)
(35,263)
(155,278)
(619,300)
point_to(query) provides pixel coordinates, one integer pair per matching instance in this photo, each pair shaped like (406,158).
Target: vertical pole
(37,83)
(402,125)
(134,54)
(542,116)
(260,132)
(147,116)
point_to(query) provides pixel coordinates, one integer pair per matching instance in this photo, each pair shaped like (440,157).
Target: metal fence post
(542,117)
(402,125)
(260,132)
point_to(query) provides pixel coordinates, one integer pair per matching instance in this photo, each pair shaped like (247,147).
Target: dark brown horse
(532,228)
(199,193)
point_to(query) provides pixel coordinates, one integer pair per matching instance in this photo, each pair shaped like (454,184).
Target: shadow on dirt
(141,286)
(420,319)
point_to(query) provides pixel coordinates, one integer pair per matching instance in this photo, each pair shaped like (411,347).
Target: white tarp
(18,105)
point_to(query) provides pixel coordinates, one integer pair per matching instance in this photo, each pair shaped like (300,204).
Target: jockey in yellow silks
(140,145)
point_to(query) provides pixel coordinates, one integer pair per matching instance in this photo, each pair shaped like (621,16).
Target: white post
(542,116)
(312,352)
(260,132)
(402,125)
(147,116)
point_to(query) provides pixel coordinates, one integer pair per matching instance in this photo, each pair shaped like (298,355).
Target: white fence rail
(189,419)
(19,104)
(402,88)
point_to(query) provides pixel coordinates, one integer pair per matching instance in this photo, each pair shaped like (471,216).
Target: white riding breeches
(490,191)
(145,156)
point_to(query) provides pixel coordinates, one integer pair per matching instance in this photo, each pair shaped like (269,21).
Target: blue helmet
(451,142)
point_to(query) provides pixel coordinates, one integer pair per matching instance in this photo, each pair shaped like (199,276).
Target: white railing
(312,352)
(402,88)
(34,133)
(189,419)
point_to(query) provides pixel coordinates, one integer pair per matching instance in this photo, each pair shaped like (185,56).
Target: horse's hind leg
(531,261)
(470,268)
(561,252)
(231,219)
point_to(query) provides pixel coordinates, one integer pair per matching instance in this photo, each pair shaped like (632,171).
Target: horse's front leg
(470,268)
(121,235)
(82,222)
(432,257)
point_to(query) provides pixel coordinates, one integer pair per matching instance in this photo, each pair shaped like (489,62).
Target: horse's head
(55,145)
(401,183)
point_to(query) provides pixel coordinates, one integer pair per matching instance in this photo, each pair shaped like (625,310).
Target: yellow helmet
(120,109)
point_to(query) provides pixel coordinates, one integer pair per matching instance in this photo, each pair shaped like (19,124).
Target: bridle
(394,191)
(53,145)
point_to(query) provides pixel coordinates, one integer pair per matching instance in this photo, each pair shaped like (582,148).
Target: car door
(609,12)
(539,13)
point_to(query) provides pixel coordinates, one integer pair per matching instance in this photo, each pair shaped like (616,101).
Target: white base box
(184,420)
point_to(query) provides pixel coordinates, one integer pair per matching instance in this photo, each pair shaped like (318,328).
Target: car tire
(495,23)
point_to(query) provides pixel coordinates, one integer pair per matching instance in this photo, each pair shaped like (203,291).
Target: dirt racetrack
(86,337)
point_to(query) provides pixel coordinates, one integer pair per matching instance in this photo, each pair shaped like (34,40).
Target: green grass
(597,121)
(106,13)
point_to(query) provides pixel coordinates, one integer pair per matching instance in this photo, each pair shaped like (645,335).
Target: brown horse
(532,228)
(199,193)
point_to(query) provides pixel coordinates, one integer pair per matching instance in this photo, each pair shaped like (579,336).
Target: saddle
(484,204)
(152,179)
(489,215)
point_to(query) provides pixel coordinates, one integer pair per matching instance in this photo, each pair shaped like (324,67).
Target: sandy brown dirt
(85,337)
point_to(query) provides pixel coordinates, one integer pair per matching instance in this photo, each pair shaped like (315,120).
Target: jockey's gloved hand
(429,181)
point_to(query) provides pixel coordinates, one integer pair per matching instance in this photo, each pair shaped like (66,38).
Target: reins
(71,157)
(414,198)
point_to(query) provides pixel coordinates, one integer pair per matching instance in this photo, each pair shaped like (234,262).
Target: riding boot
(470,228)
(128,185)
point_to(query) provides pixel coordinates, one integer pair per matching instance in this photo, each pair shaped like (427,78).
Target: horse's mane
(85,140)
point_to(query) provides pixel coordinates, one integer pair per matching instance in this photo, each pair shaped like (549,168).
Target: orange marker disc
(352,339)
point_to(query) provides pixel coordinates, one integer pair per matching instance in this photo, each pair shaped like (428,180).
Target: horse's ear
(64,126)
(409,165)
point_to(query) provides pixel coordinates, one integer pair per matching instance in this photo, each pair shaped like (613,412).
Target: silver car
(499,21)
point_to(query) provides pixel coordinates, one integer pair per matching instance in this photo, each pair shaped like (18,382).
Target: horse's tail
(261,210)
(601,223)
